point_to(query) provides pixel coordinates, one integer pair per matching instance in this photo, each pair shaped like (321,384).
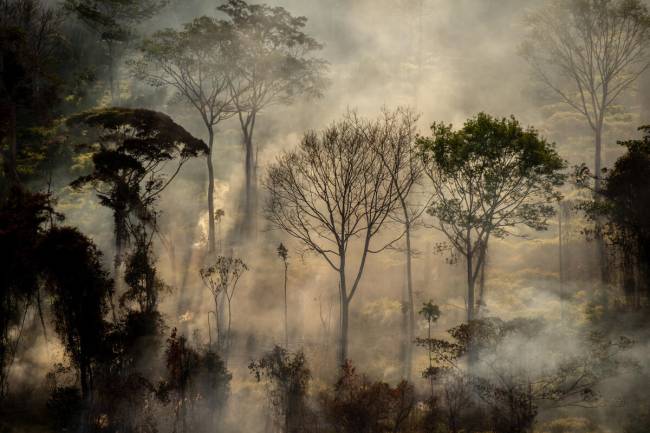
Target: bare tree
(332,190)
(221,279)
(588,52)
(194,62)
(400,158)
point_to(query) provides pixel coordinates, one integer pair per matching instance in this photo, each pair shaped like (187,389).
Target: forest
(325,216)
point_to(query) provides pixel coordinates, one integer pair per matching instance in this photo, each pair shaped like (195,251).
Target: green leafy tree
(196,63)
(274,63)
(115,22)
(488,178)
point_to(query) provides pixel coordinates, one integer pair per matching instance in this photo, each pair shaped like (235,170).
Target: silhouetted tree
(22,219)
(273,64)
(622,205)
(359,405)
(330,191)
(30,86)
(131,149)
(195,63)
(488,178)
(80,291)
(287,377)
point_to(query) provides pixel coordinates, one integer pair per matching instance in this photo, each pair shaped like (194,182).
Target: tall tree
(80,290)
(622,204)
(30,53)
(22,219)
(588,53)
(284,255)
(131,150)
(221,279)
(330,191)
(195,62)
(274,63)
(115,22)
(488,178)
(400,158)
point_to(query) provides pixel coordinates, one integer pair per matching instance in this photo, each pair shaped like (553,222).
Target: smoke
(448,59)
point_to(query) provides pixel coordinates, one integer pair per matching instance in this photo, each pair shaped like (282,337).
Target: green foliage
(430,312)
(490,176)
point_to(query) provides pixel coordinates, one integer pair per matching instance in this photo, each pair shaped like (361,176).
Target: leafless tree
(332,191)
(399,156)
(221,279)
(588,52)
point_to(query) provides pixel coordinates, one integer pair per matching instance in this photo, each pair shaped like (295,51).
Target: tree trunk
(410,308)
(286,322)
(343,338)
(250,189)
(470,280)
(111,71)
(600,242)
(211,236)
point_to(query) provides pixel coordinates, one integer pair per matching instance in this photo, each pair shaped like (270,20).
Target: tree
(588,52)
(330,191)
(31,49)
(131,149)
(80,290)
(361,405)
(115,23)
(284,255)
(195,62)
(400,158)
(22,219)
(221,279)
(287,376)
(273,64)
(431,313)
(622,205)
(488,178)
